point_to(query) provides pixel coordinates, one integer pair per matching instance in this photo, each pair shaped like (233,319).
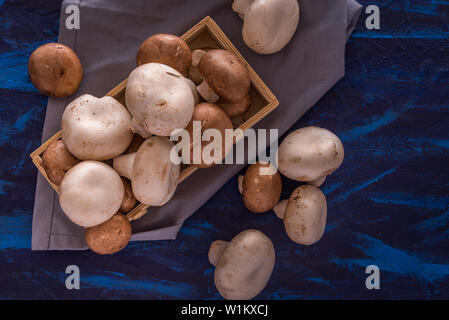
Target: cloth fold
(107,42)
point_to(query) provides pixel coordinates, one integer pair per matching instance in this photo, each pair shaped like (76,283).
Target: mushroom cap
(211,117)
(129,201)
(305,215)
(110,236)
(159,99)
(167,49)
(269,25)
(91,193)
(154,177)
(310,153)
(96,128)
(245,266)
(225,74)
(235,108)
(55,70)
(57,160)
(261,192)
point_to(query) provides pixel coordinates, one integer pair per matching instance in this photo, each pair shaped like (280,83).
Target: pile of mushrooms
(112,156)
(308,155)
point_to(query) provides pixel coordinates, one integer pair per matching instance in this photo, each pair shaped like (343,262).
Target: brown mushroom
(57,160)
(261,191)
(55,70)
(226,75)
(167,49)
(211,117)
(110,236)
(129,201)
(235,108)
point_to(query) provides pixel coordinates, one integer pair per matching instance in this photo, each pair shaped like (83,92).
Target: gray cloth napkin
(107,42)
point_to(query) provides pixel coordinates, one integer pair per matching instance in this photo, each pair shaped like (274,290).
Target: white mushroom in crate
(226,81)
(159,99)
(268,25)
(304,214)
(243,266)
(96,128)
(153,175)
(90,193)
(310,154)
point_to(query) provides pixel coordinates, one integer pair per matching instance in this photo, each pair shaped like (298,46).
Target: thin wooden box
(205,34)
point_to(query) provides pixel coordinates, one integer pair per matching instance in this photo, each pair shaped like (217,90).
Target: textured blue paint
(387,205)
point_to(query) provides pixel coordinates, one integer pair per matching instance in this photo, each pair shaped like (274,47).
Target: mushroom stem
(279,209)
(318,182)
(136,127)
(207,93)
(241,7)
(241,183)
(216,250)
(124,165)
(196,57)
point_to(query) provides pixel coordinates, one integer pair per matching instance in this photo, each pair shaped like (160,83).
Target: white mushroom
(195,93)
(305,215)
(124,164)
(279,209)
(268,25)
(310,154)
(96,128)
(318,182)
(159,99)
(243,266)
(153,176)
(91,193)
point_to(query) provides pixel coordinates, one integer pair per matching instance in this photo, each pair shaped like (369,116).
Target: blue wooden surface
(387,205)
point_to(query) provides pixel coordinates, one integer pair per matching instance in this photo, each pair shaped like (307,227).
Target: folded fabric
(107,42)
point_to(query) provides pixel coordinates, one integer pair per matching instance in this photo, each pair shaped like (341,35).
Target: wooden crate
(205,34)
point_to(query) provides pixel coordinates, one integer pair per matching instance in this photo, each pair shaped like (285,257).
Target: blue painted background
(388,203)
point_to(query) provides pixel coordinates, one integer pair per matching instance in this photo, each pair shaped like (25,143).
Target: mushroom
(167,49)
(310,154)
(153,176)
(194,71)
(279,209)
(243,266)
(211,117)
(159,99)
(55,70)
(129,201)
(90,193)
(268,25)
(235,108)
(225,74)
(305,215)
(207,93)
(261,192)
(196,96)
(57,160)
(96,128)
(110,236)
